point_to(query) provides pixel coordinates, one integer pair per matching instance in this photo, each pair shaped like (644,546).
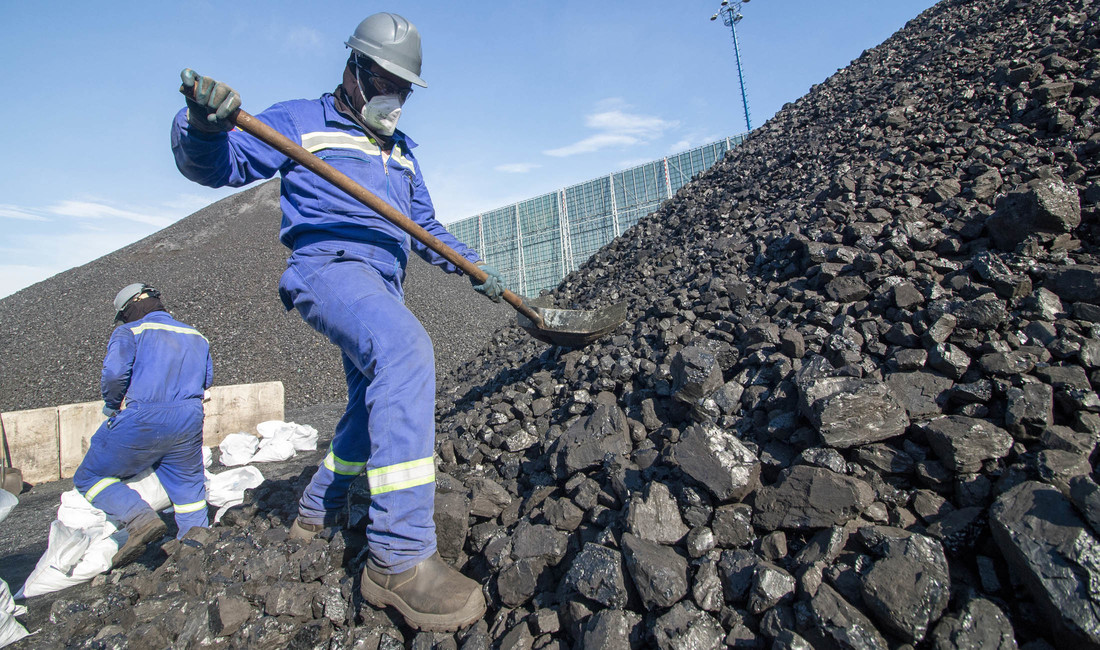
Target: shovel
(564,327)
(11,479)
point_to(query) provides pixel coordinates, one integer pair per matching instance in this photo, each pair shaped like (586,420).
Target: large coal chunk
(597,574)
(923,394)
(686,626)
(591,438)
(452,523)
(981,625)
(962,443)
(1049,547)
(696,373)
(849,412)
(829,621)
(1044,205)
(808,497)
(613,629)
(656,516)
(659,573)
(718,460)
(907,588)
(1076,283)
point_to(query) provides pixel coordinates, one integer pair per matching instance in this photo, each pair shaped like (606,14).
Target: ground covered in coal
(219,271)
(853,405)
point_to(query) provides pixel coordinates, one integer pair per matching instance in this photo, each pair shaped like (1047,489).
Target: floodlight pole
(731,15)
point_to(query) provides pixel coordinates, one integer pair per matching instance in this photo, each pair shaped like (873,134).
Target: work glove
(109,412)
(493,287)
(212,104)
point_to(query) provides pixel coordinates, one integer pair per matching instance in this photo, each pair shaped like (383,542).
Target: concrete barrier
(75,425)
(48,444)
(33,443)
(240,408)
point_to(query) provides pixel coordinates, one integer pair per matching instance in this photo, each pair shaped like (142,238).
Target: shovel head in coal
(570,328)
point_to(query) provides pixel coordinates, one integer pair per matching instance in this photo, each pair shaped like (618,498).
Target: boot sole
(137,542)
(472,611)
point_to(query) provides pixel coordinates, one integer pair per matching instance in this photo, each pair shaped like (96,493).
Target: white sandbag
(7,603)
(272,450)
(7,502)
(303,436)
(207,456)
(83,539)
(76,512)
(10,630)
(238,448)
(227,488)
(74,555)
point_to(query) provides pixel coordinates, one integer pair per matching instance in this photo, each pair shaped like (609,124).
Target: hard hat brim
(392,68)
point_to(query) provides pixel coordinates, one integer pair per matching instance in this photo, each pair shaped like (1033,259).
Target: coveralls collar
(334,116)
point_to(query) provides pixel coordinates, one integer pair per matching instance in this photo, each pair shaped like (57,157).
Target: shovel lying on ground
(564,327)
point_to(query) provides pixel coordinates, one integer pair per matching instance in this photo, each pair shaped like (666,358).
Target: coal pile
(219,270)
(852,407)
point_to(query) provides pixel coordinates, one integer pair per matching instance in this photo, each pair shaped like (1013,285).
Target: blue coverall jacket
(160,368)
(344,278)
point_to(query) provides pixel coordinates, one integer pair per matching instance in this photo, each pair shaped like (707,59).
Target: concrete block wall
(47,444)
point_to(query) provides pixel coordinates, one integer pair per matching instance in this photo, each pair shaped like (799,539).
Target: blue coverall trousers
(166,437)
(352,294)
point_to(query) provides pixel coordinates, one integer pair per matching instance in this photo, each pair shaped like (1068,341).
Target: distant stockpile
(853,406)
(219,270)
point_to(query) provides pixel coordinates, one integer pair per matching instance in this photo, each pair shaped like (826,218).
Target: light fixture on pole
(731,15)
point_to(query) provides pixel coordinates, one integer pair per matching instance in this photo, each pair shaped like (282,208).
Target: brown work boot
(303,531)
(146,527)
(431,596)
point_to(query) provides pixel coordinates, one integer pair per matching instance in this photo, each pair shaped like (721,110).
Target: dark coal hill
(219,271)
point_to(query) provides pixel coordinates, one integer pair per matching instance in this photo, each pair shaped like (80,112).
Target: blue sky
(523,98)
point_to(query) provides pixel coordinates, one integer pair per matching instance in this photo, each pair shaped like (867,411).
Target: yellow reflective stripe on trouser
(183,508)
(98,487)
(401,476)
(340,466)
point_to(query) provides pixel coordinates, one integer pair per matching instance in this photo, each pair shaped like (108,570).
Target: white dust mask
(381,113)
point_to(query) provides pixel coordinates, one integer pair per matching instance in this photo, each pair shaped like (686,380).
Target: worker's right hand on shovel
(493,287)
(209,102)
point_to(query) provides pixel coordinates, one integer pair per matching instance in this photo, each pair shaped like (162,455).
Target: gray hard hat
(393,43)
(128,293)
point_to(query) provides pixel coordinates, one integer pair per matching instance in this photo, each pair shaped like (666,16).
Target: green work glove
(493,287)
(212,104)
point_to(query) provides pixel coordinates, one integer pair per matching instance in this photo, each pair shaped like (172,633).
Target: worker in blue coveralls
(344,276)
(161,368)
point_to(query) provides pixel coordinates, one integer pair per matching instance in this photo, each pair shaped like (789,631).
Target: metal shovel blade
(570,328)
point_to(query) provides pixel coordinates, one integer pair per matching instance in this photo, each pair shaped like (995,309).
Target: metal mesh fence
(538,241)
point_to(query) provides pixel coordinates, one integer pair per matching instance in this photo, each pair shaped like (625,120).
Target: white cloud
(620,122)
(517,168)
(680,145)
(94,210)
(48,240)
(16,212)
(594,143)
(616,128)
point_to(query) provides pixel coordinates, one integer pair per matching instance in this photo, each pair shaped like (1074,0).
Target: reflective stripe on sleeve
(98,487)
(401,476)
(170,328)
(340,466)
(182,508)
